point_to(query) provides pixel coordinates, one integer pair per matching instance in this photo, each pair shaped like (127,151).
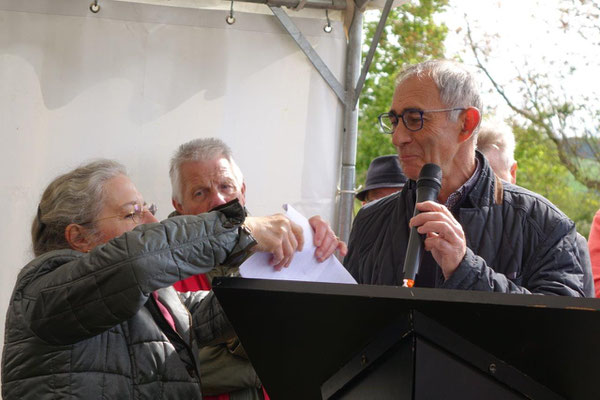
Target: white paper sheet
(304,265)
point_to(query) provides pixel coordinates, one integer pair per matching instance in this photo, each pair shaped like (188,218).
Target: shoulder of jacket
(47,262)
(378,205)
(539,212)
(529,201)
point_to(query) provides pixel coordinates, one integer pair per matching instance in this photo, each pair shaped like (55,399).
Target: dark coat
(517,241)
(85,326)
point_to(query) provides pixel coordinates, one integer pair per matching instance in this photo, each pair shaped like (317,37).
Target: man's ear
(243,191)
(513,173)
(471,119)
(178,206)
(78,238)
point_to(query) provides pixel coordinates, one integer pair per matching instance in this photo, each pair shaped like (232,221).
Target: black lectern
(332,341)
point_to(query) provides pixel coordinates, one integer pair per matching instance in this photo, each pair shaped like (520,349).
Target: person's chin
(411,166)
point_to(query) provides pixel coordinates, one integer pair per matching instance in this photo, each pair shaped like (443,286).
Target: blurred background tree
(541,171)
(555,122)
(556,127)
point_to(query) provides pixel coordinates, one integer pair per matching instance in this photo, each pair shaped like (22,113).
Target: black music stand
(333,341)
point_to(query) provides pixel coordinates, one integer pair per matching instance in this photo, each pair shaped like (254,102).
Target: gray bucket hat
(384,171)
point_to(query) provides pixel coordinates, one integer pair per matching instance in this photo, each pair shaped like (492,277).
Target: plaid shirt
(456,198)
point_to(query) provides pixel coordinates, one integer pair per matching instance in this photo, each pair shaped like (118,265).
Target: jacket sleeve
(224,372)
(210,324)
(594,247)
(583,256)
(351,262)
(553,269)
(91,293)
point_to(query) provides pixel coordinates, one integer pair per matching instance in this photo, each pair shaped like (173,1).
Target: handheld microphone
(428,188)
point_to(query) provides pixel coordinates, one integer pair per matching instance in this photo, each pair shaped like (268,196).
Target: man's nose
(216,199)
(401,135)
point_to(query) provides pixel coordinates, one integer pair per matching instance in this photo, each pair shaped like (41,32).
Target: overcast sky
(527,32)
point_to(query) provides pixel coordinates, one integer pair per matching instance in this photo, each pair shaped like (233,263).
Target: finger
(433,243)
(277,256)
(297,231)
(425,217)
(291,237)
(430,206)
(288,252)
(329,246)
(322,248)
(429,243)
(343,248)
(320,229)
(443,229)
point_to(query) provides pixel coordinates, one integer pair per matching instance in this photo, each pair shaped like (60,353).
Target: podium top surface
(298,333)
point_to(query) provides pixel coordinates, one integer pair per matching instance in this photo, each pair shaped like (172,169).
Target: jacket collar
(486,191)
(181,316)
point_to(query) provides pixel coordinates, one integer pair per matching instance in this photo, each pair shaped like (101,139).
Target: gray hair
(200,150)
(73,198)
(499,136)
(457,85)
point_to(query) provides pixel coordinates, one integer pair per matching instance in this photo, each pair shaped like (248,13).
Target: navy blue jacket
(517,242)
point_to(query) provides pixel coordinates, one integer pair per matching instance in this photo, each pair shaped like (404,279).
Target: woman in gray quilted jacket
(94,315)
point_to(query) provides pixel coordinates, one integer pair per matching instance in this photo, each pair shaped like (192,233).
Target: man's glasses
(136,215)
(412,119)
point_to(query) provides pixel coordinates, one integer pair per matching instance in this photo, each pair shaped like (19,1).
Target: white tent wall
(134,81)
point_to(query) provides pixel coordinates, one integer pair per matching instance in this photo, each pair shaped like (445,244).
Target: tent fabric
(134,81)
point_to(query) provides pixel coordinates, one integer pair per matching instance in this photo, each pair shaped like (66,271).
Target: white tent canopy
(136,79)
(78,86)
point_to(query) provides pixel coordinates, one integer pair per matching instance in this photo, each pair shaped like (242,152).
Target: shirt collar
(458,196)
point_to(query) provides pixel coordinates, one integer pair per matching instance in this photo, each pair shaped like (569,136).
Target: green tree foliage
(412,35)
(551,162)
(541,171)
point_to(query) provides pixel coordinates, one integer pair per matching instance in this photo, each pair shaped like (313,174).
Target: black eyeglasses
(412,119)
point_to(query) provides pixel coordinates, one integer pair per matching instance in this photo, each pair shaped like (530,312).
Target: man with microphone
(481,233)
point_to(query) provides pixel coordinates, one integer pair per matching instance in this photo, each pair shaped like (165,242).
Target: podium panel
(415,358)
(299,335)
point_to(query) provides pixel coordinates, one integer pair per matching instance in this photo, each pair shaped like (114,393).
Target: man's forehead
(204,172)
(208,167)
(419,89)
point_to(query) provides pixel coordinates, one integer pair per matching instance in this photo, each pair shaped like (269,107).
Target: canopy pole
(374,42)
(308,50)
(350,128)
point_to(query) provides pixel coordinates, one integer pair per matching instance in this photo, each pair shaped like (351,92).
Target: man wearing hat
(384,177)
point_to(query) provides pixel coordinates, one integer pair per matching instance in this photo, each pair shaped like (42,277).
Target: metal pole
(348,172)
(380,26)
(308,50)
(320,4)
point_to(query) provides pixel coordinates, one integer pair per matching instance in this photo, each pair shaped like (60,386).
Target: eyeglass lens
(138,211)
(412,120)
(388,122)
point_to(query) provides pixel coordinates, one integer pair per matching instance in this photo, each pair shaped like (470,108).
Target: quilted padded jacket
(517,241)
(85,326)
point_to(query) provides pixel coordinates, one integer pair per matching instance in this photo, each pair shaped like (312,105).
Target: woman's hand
(277,235)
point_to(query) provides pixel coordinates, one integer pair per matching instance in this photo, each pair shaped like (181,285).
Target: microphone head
(430,175)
